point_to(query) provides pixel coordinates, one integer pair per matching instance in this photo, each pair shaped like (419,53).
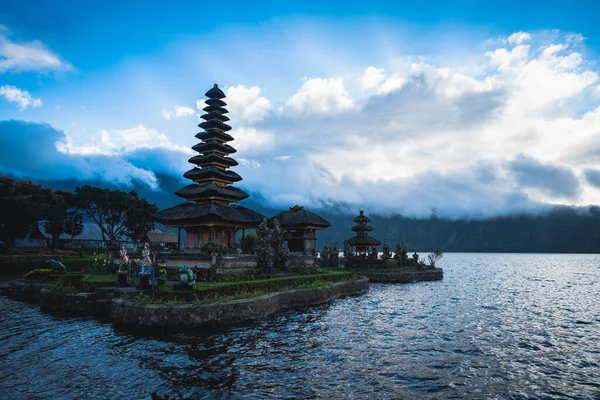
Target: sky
(463,109)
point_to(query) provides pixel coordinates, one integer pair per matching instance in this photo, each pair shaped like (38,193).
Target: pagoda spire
(362,241)
(211,176)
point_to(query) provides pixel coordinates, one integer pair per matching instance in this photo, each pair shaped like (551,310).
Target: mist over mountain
(559,229)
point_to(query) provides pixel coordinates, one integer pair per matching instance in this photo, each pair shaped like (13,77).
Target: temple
(300,228)
(210,213)
(362,242)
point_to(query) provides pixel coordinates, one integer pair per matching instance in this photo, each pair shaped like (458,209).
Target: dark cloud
(482,190)
(592,176)
(554,180)
(29,150)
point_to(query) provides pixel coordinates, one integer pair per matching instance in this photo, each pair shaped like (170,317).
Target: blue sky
(469,108)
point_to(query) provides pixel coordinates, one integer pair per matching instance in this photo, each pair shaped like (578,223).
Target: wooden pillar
(179,239)
(243,239)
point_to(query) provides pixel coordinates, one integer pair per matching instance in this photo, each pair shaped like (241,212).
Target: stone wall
(434,274)
(126,313)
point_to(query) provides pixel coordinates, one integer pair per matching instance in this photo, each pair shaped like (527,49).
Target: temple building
(300,228)
(362,242)
(210,212)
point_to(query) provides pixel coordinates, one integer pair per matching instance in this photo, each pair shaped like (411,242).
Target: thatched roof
(213,108)
(197,213)
(359,228)
(213,146)
(195,191)
(298,216)
(215,115)
(203,159)
(215,124)
(362,217)
(215,93)
(213,134)
(363,240)
(161,237)
(196,174)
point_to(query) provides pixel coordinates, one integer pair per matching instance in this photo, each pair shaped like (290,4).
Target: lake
(498,326)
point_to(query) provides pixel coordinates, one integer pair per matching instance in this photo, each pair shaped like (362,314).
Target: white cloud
(27,56)
(319,95)
(249,140)
(21,97)
(178,111)
(247,103)
(372,77)
(518,38)
(118,142)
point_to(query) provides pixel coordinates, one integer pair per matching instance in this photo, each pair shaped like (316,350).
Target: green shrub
(214,246)
(62,286)
(37,275)
(269,285)
(21,267)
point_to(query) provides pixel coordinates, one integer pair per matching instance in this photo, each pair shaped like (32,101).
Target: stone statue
(124,259)
(56,266)
(186,276)
(146,263)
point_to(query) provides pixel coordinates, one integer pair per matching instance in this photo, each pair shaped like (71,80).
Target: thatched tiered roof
(212,190)
(299,217)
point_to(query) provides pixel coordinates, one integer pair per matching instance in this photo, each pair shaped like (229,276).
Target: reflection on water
(497,326)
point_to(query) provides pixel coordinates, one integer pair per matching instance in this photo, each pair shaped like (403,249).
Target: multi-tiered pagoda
(209,213)
(362,242)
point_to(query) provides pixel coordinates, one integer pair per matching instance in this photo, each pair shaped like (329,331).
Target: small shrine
(300,228)
(210,213)
(362,242)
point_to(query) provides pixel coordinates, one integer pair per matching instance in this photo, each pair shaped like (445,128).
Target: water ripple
(499,326)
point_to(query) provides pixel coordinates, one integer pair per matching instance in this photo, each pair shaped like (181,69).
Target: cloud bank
(513,129)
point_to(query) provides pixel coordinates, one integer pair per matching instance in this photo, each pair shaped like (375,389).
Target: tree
(22,204)
(55,215)
(434,257)
(117,213)
(139,217)
(73,223)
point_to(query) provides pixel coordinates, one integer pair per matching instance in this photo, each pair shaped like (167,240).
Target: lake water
(498,326)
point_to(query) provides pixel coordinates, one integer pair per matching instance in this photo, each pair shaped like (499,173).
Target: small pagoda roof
(215,93)
(195,191)
(205,147)
(298,216)
(213,134)
(363,241)
(215,115)
(196,174)
(189,213)
(362,228)
(213,145)
(203,159)
(218,109)
(215,124)
(215,102)
(362,217)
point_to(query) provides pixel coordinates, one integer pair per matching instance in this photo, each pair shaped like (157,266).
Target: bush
(269,285)
(37,275)
(214,246)
(62,286)
(28,264)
